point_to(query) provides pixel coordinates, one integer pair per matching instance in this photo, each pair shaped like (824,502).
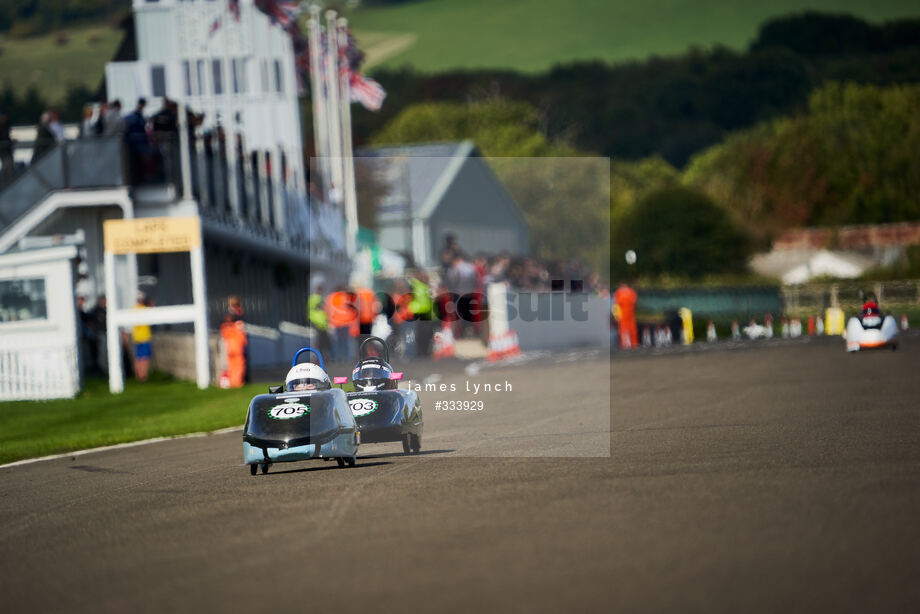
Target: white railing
(38,373)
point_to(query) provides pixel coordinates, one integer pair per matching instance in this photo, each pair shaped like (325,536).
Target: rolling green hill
(532,35)
(52,65)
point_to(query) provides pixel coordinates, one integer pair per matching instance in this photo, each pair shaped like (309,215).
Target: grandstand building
(235,160)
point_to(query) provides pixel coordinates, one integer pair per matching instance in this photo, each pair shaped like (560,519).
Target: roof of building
(795,266)
(431,168)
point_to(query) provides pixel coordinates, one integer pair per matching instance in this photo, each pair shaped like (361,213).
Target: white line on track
(118,446)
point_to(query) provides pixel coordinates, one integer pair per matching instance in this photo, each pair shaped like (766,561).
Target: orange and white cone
(444,343)
(503,345)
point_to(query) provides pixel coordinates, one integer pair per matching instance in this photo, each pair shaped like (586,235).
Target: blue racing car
(305,419)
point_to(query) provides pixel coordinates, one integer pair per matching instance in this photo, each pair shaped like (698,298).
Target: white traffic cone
(711,335)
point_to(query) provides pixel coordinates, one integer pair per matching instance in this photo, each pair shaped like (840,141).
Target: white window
(217,76)
(23,299)
(158,80)
(187,73)
(239,76)
(200,72)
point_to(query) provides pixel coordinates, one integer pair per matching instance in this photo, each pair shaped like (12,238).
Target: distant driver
(870,305)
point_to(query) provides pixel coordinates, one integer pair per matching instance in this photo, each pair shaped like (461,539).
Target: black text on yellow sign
(152,235)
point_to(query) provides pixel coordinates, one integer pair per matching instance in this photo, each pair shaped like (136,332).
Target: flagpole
(320,122)
(350,194)
(227,68)
(335,118)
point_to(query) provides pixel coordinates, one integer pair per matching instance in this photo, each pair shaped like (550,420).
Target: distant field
(532,35)
(52,67)
(433,35)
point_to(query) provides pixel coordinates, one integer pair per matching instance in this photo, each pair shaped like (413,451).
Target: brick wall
(850,237)
(174,353)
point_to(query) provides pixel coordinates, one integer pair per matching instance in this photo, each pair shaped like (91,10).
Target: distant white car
(871,329)
(755,331)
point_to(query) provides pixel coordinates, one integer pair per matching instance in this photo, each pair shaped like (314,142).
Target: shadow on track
(392,454)
(327,467)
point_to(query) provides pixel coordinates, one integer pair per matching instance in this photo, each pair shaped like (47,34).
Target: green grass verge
(532,35)
(160,407)
(52,68)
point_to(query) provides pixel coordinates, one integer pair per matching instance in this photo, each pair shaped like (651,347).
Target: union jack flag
(362,88)
(366,91)
(234,7)
(282,13)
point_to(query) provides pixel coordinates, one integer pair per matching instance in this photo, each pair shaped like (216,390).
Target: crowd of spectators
(151,141)
(460,272)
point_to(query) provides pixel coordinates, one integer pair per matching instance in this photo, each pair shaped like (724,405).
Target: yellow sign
(152,235)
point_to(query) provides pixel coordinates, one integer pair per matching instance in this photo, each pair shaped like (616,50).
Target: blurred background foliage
(813,122)
(850,158)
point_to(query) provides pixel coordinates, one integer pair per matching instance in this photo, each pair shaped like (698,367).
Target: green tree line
(26,107)
(674,107)
(849,157)
(20,18)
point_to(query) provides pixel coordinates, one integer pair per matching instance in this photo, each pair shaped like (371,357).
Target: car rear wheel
(264,468)
(351,461)
(415,442)
(252,469)
(340,461)
(407,444)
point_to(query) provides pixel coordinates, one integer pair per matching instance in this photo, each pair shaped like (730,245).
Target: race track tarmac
(775,479)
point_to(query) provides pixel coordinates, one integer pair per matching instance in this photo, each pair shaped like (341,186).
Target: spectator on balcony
(44,139)
(6,149)
(165,125)
(88,125)
(138,145)
(113,124)
(166,120)
(56,127)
